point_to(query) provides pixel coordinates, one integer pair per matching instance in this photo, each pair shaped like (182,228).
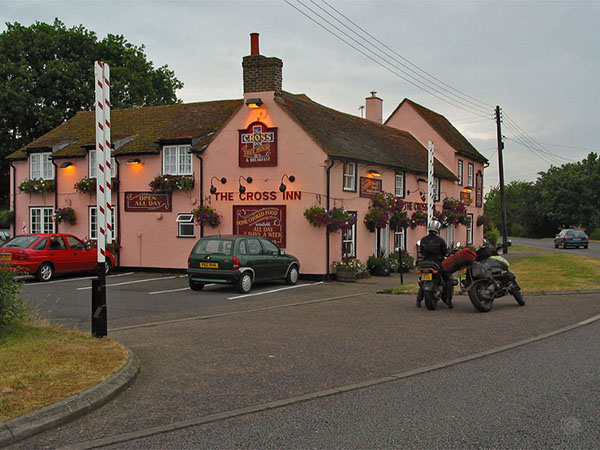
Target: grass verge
(41,365)
(545,272)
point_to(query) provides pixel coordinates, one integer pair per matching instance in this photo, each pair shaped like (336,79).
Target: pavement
(279,350)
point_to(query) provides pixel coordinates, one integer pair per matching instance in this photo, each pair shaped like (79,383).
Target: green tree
(47,75)
(569,195)
(522,215)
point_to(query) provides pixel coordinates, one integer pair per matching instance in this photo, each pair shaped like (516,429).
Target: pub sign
(258,146)
(370,187)
(264,221)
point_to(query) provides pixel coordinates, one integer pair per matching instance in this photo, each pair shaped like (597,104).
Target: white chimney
(374,108)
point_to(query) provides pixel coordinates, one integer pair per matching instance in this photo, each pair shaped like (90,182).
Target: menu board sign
(264,221)
(370,187)
(258,146)
(147,202)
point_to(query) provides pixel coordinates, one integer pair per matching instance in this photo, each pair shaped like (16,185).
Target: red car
(45,255)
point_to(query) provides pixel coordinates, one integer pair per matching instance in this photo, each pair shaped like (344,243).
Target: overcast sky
(538,60)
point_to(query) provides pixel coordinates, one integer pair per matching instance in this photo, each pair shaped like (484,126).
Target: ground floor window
(41,220)
(450,236)
(470,229)
(185,225)
(399,240)
(94,224)
(349,240)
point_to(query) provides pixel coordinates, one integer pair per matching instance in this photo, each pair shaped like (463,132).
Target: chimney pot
(254,44)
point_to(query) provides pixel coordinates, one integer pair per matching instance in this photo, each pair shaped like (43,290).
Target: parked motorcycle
(488,277)
(433,286)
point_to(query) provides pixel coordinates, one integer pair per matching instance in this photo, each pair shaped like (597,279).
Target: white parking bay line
(130,282)
(176,290)
(274,290)
(72,279)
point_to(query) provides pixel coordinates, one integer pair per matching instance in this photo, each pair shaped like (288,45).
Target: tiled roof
(138,130)
(346,137)
(445,129)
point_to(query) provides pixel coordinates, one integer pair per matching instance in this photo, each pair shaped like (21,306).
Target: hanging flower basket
(170,183)
(205,215)
(399,220)
(484,220)
(418,219)
(376,218)
(453,212)
(66,214)
(335,220)
(37,186)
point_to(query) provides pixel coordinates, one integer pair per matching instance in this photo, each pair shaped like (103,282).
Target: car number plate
(577,239)
(5,256)
(427,276)
(209,265)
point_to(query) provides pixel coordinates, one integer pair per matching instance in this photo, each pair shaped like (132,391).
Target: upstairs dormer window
(40,166)
(177,160)
(93,165)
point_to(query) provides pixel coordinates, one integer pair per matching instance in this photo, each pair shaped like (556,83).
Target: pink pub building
(258,163)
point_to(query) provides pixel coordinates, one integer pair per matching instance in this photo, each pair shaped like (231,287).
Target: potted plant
(205,215)
(349,270)
(66,214)
(376,218)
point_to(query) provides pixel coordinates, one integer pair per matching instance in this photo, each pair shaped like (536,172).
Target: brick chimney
(261,74)
(374,108)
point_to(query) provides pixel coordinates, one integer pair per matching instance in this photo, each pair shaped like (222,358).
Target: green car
(239,260)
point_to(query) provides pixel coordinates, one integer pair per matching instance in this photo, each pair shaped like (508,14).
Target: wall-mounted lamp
(372,173)
(134,161)
(254,102)
(242,188)
(283,187)
(421,180)
(423,195)
(213,189)
(66,164)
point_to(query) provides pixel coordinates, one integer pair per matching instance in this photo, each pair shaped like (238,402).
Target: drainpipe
(118,218)
(14,205)
(327,230)
(201,189)
(55,193)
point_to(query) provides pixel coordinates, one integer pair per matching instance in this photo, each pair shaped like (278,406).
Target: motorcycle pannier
(458,260)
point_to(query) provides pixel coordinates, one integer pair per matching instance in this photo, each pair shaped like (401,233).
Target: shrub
(12,308)
(491,234)
(6,217)
(379,266)
(595,235)
(407,260)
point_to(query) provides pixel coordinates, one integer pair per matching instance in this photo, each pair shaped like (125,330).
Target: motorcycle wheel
(480,300)
(516,293)
(430,300)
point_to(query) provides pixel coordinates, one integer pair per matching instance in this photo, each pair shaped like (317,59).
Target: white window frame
(450,235)
(399,237)
(382,234)
(93,165)
(350,170)
(92,222)
(40,166)
(460,172)
(41,219)
(470,229)
(437,189)
(184,220)
(177,160)
(399,184)
(349,239)
(471,175)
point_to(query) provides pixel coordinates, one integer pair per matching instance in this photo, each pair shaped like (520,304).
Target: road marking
(130,282)
(274,290)
(71,279)
(177,290)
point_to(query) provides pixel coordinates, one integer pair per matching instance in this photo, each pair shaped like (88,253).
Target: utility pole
(501,170)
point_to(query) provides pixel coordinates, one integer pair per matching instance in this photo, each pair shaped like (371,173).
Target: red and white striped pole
(103,195)
(430,182)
